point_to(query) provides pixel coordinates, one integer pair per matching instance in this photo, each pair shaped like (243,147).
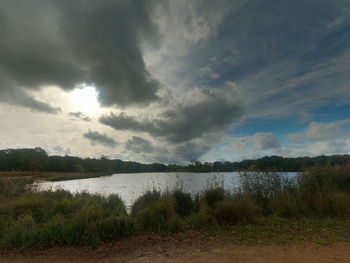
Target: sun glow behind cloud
(84,99)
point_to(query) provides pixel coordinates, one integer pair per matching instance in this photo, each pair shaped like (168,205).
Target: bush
(335,204)
(12,187)
(203,219)
(261,185)
(183,203)
(214,195)
(20,233)
(41,219)
(144,201)
(289,205)
(340,203)
(110,228)
(114,202)
(240,208)
(316,180)
(32,204)
(157,216)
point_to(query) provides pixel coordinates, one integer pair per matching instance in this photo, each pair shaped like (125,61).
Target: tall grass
(13,187)
(39,219)
(237,208)
(31,219)
(262,186)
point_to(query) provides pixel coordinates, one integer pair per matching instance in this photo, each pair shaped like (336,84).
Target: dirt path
(185,252)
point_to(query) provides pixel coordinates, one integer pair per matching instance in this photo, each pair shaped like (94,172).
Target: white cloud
(331,147)
(320,131)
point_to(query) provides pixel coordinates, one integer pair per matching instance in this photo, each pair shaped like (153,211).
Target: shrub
(197,202)
(144,201)
(12,187)
(261,185)
(19,233)
(114,202)
(340,202)
(336,204)
(202,220)
(316,180)
(110,228)
(214,195)
(41,219)
(289,205)
(157,216)
(31,204)
(240,208)
(183,203)
(66,207)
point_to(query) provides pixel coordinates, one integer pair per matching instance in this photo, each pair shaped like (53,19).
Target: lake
(130,186)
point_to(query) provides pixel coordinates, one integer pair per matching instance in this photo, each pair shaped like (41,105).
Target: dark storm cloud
(191,151)
(67,42)
(96,137)
(10,95)
(30,102)
(79,115)
(179,153)
(139,145)
(275,49)
(202,111)
(264,141)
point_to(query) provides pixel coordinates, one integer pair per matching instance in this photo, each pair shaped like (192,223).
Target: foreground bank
(187,251)
(315,207)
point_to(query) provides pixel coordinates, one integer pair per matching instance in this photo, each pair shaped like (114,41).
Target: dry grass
(49,176)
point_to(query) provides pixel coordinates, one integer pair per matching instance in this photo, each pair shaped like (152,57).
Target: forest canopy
(38,159)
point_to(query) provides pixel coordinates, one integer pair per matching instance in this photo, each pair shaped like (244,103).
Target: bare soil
(156,249)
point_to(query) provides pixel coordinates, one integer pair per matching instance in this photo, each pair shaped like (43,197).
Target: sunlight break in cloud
(181,80)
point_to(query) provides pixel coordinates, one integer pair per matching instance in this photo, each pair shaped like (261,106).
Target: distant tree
(38,160)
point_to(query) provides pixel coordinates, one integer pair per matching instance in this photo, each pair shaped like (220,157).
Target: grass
(239,208)
(43,219)
(278,230)
(315,207)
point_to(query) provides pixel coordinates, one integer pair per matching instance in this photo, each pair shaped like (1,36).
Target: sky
(176,81)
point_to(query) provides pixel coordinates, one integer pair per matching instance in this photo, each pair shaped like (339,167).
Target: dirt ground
(155,249)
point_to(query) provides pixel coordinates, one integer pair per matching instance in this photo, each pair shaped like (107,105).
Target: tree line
(37,159)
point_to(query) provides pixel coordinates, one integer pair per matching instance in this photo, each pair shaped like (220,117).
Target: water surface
(130,186)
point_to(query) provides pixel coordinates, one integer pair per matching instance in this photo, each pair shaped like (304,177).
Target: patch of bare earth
(156,249)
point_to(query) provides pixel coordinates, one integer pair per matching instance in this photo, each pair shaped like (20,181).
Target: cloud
(265,141)
(207,71)
(12,95)
(69,42)
(169,153)
(273,56)
(200,112)
(320,131)
(79,115)
(103,139)
(317,148)
(191,151)
(59,150)
(139,145)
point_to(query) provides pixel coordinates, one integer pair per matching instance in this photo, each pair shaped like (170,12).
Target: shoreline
(51,176)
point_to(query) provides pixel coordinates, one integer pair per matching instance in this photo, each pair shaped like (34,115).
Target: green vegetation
(314,207)
(37,160)
(40,219)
